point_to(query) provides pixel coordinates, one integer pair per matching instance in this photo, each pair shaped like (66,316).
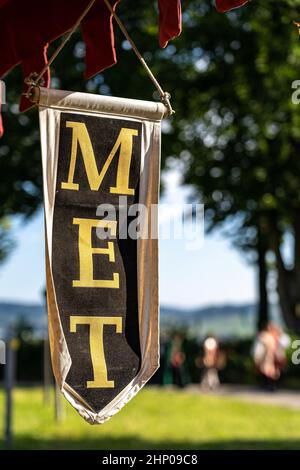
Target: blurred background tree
(235,135)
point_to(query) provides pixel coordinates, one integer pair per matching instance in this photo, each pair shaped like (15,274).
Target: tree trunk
(288,283)
(263,306)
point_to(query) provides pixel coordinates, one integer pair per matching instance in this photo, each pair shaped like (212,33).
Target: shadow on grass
(134,443)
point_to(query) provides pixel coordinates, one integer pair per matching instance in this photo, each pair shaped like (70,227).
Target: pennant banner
(101,158)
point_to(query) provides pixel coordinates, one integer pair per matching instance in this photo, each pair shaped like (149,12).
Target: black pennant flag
(101,163)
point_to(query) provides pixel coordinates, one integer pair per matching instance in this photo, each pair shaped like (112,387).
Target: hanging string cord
(34,79)
(164,95)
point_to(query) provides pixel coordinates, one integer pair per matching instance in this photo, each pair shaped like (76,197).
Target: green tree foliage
(236,132)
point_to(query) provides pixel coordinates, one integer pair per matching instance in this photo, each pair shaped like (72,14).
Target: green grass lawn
(156,419)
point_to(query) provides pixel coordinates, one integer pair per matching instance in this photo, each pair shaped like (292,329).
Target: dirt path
(287,398)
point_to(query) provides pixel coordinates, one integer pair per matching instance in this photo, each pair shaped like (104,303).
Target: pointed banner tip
(223,6)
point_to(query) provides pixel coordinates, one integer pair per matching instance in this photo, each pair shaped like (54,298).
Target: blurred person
(269,354)
(177,360)
(211,362)
(284,342)
(164,345)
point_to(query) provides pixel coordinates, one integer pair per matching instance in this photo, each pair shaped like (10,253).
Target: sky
(214,274)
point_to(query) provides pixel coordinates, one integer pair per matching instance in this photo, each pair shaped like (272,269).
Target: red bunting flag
(26,29)
(225,5)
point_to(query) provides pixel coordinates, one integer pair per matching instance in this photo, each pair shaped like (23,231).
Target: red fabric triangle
(169,20)
(225,5)
(27,28)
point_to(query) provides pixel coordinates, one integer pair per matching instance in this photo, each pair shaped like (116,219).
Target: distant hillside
(224,321)
(11,314)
